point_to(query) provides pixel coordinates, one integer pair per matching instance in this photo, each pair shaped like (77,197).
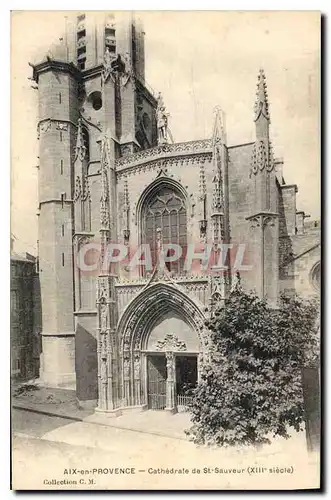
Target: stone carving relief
(103,317)
(80,150)
(186,160)
(126,365)
(44,126)
(170,343)
(62,126)
(78,188)
(262,220)
(117,65)
(108,70)
(137,365)
(170,366)
(262,157)
(128,72)
(180,147)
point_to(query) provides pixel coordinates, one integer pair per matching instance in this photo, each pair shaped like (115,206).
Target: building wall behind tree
(25,318)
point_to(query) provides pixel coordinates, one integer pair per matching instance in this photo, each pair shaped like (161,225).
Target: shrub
(251,385)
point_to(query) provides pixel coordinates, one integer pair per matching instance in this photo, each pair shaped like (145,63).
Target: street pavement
(57,453)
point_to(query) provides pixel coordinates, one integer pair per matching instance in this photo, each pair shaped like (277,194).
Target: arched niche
(172,323)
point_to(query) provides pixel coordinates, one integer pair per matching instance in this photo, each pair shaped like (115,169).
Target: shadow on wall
(286,263)
(86,362)
(37,327)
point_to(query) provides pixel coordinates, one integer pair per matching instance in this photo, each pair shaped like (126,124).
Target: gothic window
(315,276)
(165,214)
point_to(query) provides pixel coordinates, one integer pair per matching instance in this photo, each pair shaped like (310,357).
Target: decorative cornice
(87,312)
(262,219)
(180,280)
(59,66)
(54,200)
(164,163)
(289,186)
(165,151)
(92,72)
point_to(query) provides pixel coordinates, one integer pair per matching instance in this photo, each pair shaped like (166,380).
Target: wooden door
(156,378)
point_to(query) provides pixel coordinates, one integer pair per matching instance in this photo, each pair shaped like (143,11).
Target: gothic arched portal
(143,333)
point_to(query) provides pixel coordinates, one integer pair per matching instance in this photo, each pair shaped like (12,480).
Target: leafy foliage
(251,385)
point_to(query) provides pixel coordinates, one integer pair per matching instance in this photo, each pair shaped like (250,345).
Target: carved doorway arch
(135,326)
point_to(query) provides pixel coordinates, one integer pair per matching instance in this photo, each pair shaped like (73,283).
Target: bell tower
(90,86)
(58,84)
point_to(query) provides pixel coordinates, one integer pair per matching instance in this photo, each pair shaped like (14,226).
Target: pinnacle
(261,106)
(219,126)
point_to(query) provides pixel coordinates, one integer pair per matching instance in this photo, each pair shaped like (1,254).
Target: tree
(251,385)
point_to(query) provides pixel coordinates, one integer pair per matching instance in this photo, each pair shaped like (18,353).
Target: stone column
(126,379)
(137,375)
(171,405)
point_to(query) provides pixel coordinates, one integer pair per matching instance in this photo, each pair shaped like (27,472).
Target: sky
(198,60)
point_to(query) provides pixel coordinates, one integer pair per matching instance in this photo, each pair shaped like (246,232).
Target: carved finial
(261,106)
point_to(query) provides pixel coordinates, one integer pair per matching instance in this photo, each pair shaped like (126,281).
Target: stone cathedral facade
(110,172)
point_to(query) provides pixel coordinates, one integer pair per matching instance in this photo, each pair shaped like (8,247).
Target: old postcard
(165,250)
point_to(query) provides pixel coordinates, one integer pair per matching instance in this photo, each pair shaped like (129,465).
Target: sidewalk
(62,403)
(51,402)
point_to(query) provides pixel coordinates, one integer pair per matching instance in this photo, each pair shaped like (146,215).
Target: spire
(218,141)
(219,134)
(261,107)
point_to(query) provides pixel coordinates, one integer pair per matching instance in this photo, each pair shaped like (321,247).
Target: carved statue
(162,120)
(107,59)
(128,69)
(103,372)
(126,367)
(170,366)
(103,318)
(137,366)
